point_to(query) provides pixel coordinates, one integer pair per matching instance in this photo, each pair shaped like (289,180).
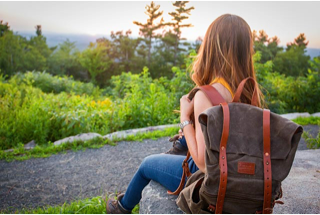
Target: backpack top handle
(254,99)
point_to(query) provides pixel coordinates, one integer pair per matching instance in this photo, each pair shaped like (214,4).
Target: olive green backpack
(249,152)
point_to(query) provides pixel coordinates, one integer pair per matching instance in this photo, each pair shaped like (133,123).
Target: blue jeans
(163,168)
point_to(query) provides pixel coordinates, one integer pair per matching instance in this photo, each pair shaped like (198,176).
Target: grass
(312,143)
(21,154)
(312,120)
(95,205)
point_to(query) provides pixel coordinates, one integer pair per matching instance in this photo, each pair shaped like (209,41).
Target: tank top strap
(224,83)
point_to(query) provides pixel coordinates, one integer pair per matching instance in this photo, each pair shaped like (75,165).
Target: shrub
(55,84)
(29,114)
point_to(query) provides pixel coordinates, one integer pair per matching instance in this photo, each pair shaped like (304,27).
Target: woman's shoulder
(200,97)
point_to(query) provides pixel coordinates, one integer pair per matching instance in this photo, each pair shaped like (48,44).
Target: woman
(223,61)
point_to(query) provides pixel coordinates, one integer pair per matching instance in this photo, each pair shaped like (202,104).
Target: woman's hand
(186,108)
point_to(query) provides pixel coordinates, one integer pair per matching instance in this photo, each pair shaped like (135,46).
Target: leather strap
(212,94)
(215,98)
(223,158)
(186,173)
(267,208)
(237,95)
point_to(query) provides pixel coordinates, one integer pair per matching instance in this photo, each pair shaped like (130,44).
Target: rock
(123,134)
(8,150)
(292,116)
(316,114)
(30,145)
(82,137)
(155,200)
(301,190)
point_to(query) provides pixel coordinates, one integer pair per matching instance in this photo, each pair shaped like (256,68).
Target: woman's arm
(194,137)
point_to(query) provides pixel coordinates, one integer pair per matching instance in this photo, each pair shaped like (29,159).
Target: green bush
(38,106)
(55,84)
(29,114)
(141,101)
(287,94)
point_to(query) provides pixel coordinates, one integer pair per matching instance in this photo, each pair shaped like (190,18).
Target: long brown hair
(226,51)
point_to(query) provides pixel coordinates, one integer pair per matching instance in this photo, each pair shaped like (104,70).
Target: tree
(178,16)
(4,27)
(64,61)
(37,52)
(299,41)
(294,61)
(268,47)
(38,30)
(148,29)
(95,60)
(11,53)
(124,50)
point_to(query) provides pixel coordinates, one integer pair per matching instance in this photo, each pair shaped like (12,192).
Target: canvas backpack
(249,152)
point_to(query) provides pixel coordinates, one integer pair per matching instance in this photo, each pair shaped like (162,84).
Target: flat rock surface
(301,189)
(77,175)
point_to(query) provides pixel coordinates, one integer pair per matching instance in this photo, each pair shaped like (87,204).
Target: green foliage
(46,150)
(287,94)
(294,94)
(293,62)
(55,84)
(63,61)
(312,120)
(29,114)
(146,102)
(11,53)
(148,29)
(19,54)
(94,60)
(94,205)
(4,27)
(312,143)
(153,134)
(268,47)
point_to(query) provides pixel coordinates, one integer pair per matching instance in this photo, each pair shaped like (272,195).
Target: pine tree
(3,27)
(38,30)
(300,41)
(148,29)
(267,46)
(178,16)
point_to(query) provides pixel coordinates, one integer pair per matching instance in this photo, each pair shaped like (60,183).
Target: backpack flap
(246,136)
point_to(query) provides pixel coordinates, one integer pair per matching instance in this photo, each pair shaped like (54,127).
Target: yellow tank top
(224,83)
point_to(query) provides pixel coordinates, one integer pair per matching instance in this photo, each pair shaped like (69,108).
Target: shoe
(115,207)
(177,147)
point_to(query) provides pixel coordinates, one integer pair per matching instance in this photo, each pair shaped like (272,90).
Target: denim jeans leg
(163,168)
(183,142)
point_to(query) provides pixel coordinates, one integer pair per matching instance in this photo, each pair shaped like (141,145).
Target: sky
(283,19)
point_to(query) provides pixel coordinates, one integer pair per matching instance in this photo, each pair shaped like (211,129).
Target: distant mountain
(83,40)
(313,52)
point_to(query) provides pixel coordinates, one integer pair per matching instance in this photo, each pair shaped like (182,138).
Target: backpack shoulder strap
(212,94)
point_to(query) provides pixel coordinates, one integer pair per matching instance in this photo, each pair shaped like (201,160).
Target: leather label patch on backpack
(246,168)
